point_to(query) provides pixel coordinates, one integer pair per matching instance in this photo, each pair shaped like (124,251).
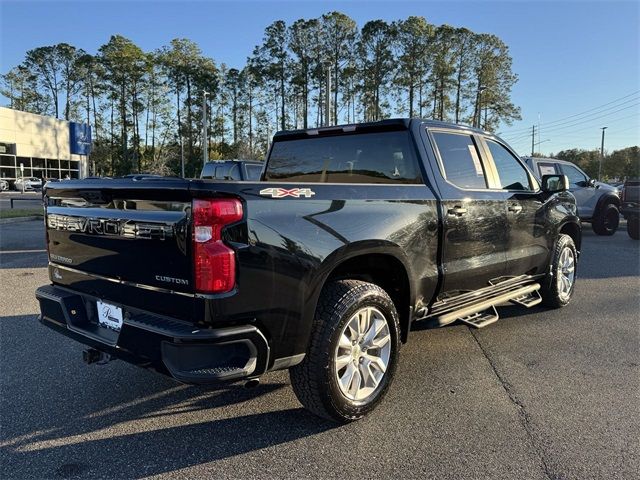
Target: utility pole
(533,139)
(601,155)
(205,138)
(327,103)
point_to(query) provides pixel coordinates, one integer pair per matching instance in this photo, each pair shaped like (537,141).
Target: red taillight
(214,263)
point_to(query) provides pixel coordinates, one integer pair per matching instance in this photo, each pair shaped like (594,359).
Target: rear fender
(317,279)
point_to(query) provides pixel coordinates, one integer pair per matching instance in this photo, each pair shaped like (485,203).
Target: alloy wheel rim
(362,355)
(566,273)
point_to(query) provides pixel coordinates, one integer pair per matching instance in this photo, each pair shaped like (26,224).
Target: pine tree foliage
(146,108)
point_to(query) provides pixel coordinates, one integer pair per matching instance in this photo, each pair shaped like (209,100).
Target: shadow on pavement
(149,424)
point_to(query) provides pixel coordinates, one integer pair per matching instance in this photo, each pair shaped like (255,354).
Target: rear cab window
(546,168)
(460,159)
(379,157)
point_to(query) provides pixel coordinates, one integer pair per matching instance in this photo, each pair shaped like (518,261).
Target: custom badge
(276,192)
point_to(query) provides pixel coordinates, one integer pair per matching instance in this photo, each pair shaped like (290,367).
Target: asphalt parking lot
(540,394)
(20,200)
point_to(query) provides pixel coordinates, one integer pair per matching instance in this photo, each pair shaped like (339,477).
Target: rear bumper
(170,346)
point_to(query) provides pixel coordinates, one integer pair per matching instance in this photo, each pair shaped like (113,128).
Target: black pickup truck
(353,233)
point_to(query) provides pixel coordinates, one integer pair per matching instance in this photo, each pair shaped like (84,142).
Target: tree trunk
(95,111)
(305,97)
(336,71)
(111,141)
(411,89)
(189,124)
(123,116)
(282,107)
(250,120)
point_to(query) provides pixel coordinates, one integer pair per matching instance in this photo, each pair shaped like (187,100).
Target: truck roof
(390,124)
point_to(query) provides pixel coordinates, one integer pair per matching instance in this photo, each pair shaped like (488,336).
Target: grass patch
(21,212)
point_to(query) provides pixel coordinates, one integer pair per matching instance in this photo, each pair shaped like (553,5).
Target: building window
(7,161)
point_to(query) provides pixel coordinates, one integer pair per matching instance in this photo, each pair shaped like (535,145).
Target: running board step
(487,303)
(481,319)
(528,300)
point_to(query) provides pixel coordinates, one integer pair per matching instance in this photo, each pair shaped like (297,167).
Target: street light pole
(601,155)
(205,138)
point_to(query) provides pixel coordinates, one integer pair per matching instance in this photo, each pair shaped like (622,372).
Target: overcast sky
(578,62)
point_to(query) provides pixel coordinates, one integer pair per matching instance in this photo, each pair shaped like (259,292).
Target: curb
(5,221)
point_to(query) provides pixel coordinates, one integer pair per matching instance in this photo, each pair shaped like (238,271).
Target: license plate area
(109,316)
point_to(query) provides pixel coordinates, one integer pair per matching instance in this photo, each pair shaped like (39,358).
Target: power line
(520,145)
(578,122)
(596,119)
(565,119)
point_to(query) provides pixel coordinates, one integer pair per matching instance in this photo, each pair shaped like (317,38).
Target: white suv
(598,203)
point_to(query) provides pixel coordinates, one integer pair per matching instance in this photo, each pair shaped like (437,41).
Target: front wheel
(607,220)
(633,227)
(558,286)
(352,354)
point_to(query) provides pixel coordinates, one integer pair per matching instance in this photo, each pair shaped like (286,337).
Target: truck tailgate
(133,232)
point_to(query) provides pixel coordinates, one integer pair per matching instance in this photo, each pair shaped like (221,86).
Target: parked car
(598,202)
(30,183)
(353,233)
(4,185)
(631,207)
(246,170)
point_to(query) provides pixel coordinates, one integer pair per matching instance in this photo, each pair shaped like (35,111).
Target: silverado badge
(287,192)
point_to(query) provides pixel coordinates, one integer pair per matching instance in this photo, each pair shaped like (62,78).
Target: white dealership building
(44,147)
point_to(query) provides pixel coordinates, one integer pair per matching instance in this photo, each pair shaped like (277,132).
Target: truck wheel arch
(609,198)
(381,263)
(572,229)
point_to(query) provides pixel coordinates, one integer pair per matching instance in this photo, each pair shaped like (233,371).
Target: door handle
(457,211)
(515,208)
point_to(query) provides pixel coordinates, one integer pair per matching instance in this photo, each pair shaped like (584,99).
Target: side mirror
(591,182)
(555,183)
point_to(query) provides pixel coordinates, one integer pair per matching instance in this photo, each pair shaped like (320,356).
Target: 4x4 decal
(277,192)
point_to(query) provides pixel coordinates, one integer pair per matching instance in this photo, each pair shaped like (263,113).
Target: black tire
(633,227)
(607,221)
(315,380)
(551,293)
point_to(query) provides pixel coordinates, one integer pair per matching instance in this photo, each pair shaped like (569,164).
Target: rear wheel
(633,227)
(607,220)
(558,286)
(353,352)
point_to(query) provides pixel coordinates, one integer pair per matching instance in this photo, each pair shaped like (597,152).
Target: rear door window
(460,160)
(380,157)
